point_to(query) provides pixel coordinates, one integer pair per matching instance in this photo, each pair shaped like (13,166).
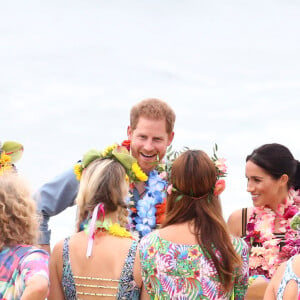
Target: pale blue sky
(71,70)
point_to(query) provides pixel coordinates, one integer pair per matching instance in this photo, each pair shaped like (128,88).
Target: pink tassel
(95,216)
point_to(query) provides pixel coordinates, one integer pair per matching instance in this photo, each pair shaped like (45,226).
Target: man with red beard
(149,134)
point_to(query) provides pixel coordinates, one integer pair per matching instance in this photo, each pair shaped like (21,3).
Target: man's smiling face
(149,140)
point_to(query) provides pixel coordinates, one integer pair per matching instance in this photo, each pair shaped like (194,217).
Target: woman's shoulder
(235,220)
(149,238)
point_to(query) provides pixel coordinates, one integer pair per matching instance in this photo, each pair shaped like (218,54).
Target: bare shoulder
(296,265)
(235,223)
(58,247)
(56,254)
(272,288)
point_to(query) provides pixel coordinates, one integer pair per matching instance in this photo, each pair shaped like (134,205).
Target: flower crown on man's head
(10,152)
(219,186)
(118,153)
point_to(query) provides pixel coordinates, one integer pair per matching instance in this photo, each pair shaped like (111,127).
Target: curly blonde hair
(18,217)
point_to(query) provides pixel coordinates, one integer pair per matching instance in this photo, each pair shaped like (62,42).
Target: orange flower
(126,144)
(160,212)
(133,209)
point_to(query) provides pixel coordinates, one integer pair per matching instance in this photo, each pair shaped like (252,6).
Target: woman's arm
(234,223)
(37,288)
(56,263)
(257,289)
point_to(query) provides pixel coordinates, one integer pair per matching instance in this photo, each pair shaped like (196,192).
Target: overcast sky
(71,70)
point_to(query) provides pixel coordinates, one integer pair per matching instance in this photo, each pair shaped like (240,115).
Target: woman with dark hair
(273,180)
(193,256)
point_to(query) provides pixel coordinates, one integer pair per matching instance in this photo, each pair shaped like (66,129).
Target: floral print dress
(181,272)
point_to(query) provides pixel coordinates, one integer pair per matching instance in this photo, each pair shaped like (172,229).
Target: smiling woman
(274,181)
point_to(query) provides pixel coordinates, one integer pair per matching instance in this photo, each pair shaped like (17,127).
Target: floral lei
(146,213)
(268,251)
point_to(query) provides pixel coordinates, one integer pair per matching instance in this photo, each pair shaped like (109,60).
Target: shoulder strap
(127,271)
(244,221)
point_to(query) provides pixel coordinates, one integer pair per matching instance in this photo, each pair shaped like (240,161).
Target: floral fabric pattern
(181,272)
(289,274)
(17,265)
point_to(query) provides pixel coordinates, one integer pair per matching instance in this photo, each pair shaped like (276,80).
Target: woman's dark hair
(277,160)
(194,175)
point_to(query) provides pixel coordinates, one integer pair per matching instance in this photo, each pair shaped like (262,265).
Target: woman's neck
(280,199)
(113,216)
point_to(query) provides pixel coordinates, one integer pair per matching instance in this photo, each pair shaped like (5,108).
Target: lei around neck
(146,212)
(270,249)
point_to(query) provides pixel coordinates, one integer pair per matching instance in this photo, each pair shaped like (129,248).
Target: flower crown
(118,153)
(10,152)
(221,169)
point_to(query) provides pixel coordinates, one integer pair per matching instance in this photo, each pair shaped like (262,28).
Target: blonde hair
(18,217)
(104,180)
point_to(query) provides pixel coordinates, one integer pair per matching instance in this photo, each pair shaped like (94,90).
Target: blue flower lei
(144,219)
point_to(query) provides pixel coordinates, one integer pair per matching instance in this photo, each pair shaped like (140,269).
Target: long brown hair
(193,176)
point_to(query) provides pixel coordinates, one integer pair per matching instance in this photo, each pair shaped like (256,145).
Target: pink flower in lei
(267,251)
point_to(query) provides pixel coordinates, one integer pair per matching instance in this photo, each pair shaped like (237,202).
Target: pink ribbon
(99,209)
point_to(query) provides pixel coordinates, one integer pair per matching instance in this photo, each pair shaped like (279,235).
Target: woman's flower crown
(118,153)
(10,152)
(221,169)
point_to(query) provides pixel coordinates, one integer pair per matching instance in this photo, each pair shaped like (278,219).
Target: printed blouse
(182,272)
(17,265)
(289,274)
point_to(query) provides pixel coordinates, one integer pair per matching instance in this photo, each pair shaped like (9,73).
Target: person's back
(174,264)
(98,260)
(193,256)
(106,266)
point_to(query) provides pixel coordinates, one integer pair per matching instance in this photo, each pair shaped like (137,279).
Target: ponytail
(296,179)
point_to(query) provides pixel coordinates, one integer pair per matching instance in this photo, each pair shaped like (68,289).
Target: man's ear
(171,137)
(129,132)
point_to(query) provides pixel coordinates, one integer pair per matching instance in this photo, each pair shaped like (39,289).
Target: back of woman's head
(277,160)
(18,218)
(103,181)
(194,176)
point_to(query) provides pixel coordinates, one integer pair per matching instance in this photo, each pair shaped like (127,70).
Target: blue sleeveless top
(287,276)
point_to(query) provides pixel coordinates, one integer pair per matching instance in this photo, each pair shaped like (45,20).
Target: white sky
(71,70)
